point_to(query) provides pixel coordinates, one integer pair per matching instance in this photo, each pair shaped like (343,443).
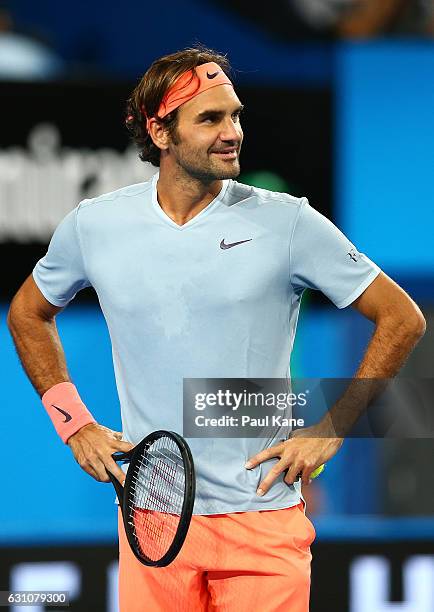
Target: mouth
(230,153)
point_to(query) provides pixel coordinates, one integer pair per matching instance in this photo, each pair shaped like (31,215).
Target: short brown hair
(147,96)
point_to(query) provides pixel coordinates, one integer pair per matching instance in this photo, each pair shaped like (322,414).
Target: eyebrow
(218,113)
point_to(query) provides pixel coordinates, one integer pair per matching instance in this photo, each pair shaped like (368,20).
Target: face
(208,136)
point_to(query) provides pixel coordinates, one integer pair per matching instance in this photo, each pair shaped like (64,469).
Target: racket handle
(118,487)
(120,456)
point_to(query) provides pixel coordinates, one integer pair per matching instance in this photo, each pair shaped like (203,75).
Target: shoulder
(240,194)
(119,196)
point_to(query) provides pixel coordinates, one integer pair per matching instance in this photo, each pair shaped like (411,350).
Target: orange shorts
(238,562)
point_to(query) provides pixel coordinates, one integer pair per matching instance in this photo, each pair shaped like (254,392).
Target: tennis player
(201,276)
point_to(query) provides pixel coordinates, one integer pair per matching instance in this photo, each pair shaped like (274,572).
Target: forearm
(39,348)
(390,345)
(389,348)
(41,353)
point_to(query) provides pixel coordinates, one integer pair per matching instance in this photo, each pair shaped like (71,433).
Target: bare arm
(32,324)
(399,325)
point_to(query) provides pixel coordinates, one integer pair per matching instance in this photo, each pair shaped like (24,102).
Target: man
(200,276)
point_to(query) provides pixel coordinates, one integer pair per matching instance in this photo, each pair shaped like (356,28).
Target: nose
(231,131)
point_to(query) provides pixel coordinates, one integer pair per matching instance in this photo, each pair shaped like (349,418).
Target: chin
(214,172)
(230,172)
(232,175)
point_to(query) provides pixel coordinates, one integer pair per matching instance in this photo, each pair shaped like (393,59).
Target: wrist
(66,410)
(78,434)
(327,427)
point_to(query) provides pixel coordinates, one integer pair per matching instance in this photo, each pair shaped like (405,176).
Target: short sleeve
(60,274)
(322,258)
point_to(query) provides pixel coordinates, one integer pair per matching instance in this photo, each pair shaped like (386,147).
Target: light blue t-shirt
(178,305)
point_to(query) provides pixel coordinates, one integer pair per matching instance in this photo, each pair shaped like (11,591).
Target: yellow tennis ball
(318,471)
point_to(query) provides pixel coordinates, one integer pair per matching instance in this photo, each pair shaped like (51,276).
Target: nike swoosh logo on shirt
(213,75)
(67,416)
(232,244)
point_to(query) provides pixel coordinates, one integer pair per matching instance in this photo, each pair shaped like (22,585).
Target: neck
(181,196)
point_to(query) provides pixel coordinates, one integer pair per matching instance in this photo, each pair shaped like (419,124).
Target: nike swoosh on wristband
(232,244)
(67,416)
(213,75)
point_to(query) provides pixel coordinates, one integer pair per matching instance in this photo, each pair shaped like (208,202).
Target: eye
(209,119)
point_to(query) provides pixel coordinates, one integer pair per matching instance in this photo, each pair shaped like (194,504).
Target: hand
(93,446)
(305,450)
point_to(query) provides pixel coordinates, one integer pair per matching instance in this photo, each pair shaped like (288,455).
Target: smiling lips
(229,153)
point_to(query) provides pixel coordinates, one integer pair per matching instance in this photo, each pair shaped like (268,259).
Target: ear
(159,134)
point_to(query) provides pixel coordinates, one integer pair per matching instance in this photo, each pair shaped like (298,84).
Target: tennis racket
(157,497)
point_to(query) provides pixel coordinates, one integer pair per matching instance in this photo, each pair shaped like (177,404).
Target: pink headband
(189,85)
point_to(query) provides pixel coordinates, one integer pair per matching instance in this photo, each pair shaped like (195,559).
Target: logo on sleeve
(353,254)
(67,416)
(213,75)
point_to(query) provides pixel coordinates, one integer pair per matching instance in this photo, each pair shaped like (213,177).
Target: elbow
(13,312)
(407,323)
(412,326)
(11,322)
(415,322)
(9,317)
(419,325)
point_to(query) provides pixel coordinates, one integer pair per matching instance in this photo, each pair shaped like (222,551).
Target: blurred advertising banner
(63,142)
(352,576)
(60,144)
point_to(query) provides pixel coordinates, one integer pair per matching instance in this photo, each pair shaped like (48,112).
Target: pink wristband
(66,410)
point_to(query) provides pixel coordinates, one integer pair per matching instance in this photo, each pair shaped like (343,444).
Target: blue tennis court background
(384,152)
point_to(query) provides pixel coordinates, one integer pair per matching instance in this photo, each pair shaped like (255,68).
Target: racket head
(158,497)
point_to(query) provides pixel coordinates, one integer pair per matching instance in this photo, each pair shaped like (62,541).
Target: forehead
(222,97)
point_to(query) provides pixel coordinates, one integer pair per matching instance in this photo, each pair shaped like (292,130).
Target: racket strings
(156,497)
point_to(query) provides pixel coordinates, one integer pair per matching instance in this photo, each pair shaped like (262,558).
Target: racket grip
(120,456)
(118,487)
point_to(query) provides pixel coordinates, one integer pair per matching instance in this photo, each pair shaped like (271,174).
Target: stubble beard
(207,173)
(204,170)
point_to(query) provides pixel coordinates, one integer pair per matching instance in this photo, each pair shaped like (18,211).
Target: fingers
(271,477)
(101,471)
(123,446)
(296,458)
(89,470)
(97,467)
(295,469)
(306,472)
(299,455)
(304,475)
(94,467)
(93,447)
(268,453)
(114,469)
